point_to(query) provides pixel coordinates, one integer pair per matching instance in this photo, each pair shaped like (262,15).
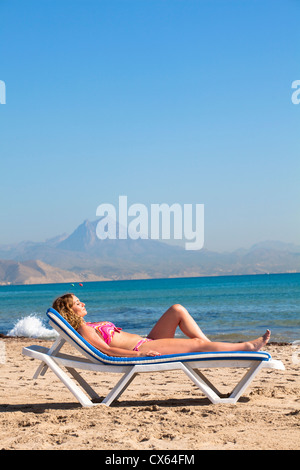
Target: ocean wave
(32,327)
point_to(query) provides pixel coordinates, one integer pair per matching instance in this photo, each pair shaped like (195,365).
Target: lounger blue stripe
(113,360)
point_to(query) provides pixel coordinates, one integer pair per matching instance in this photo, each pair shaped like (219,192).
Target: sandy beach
(159,412)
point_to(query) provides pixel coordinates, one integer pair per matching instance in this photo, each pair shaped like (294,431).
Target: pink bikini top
(106,329)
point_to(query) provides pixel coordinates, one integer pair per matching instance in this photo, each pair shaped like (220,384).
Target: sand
(164,411)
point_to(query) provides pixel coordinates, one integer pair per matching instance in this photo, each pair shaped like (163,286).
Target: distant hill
(37,272)
(82,256)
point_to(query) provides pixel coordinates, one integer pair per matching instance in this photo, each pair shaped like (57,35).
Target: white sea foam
(32,327)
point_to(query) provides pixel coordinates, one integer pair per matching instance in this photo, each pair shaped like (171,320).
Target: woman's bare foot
(258,343)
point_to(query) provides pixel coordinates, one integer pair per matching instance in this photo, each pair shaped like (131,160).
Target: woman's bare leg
(184,345)
(175,316)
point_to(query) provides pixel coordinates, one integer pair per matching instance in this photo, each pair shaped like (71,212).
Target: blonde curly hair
(64,305)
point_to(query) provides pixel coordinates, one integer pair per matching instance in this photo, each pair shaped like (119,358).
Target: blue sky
(164,101)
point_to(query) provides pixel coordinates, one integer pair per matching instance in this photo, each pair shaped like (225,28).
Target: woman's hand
(148,353)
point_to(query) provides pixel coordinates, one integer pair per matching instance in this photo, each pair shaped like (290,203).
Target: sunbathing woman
(109,339)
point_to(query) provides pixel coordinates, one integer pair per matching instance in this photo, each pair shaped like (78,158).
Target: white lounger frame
(188,363)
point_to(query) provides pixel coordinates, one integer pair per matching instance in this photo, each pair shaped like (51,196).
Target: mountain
(37,272)
(81,255)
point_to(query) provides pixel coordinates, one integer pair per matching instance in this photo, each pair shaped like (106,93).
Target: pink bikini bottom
(139,343)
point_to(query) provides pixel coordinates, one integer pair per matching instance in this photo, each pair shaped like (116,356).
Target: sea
(227,308)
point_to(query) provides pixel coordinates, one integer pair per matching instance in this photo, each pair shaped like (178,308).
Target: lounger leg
(204,385)
(119,388)
(56,346)
(245,381)
(74,389)
(205,379)
(83,383)
(212,393)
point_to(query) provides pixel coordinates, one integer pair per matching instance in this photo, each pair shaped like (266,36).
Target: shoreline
(202,276)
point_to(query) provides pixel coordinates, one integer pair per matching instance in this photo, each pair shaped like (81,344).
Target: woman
(109,339)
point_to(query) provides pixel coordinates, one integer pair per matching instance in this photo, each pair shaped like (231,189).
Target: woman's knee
(180,311)
(178,308)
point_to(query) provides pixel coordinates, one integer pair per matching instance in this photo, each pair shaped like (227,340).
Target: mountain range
(81,256)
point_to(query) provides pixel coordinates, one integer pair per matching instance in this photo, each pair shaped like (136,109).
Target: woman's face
(78,307)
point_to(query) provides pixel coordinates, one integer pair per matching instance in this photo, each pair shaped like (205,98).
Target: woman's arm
(94,339)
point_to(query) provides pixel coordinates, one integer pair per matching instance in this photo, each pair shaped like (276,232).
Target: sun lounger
(94,360)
